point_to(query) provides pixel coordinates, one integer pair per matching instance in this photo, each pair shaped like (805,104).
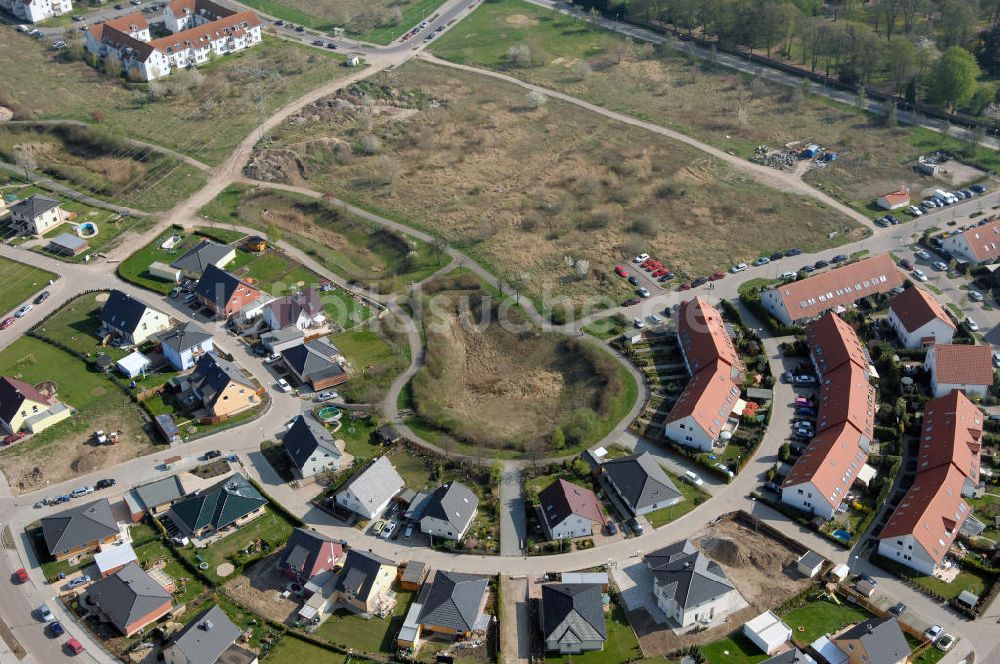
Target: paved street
(513,528)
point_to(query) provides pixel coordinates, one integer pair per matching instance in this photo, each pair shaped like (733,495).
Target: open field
(494,380)
(353,248)
(376,21)
(203,113)
(709,102)
(528,192)
(63,451)
(97,162)
(377,357)
(20,282)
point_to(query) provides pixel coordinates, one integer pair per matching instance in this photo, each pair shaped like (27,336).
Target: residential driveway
(635,583)
(513,522)
(515,642)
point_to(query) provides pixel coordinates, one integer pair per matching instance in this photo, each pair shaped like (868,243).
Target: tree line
(942,52)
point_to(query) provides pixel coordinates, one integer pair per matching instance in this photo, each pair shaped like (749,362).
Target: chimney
(206,625)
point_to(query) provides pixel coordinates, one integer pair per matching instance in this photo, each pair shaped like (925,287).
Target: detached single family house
(919,320)
(874,641)
(218,386)
(79,530)
(451,603)
(36,215)
(183,345)
(208,639)
(363,584)
(641,483)
(309,554)
(302,310)
(23,408)
(572,616)
(316,363)
(449,511)
(220,509)
(368,493)
(196,260)
(960,367)
(569,510)
(978,245)
(689,587)
(132,320)
(154,498)
(130,599)
(223,294)
(310,447)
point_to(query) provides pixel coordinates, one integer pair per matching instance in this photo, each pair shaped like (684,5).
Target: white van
(693,478)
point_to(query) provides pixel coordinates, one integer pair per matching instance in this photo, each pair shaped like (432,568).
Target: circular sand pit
(520,20)
(225,569)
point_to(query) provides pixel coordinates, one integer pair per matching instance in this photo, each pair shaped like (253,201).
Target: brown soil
(259,588)
(520,20)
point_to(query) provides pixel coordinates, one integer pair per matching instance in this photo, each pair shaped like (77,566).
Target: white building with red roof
(919,320)
(820,479)
(33,11)
(805,299)
(894,199)
(701,412)
(960,367)
(923,527)
(979,244)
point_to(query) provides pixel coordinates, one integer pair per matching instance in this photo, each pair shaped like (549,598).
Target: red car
(621,272)
(12,438)
(5,323)
(716,276)
(631,302)
(21,575)
(684,287)
(659,273)
(654,265)
(74,646)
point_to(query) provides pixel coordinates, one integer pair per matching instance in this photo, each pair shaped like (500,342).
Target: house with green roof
(218,510)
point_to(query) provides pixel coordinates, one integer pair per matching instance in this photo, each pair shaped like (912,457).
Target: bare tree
(440,246)
(581,268)
(519,55)
(25,158)
(536,99)
(112,65)
(389,168)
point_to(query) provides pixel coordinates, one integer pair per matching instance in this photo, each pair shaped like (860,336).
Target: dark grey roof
(160,492)
(359,573)
(123,312)
(375,484)
(304,437)
(452,502)
(34,205)
(311,361)
(687,575)
(415,572)
(184,337)
(68,241)
(126,596)
(212,374)
(811,559)
(200,256)
(573,612)
(453,600)
(218,286)
(79,525)
(418,504)
(205,638)
(793,656)
(286,310)
(641,480)
(219,505)
(882,638)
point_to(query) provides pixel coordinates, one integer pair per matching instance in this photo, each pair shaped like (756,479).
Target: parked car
(620,271)
(611,528)
(919,275)
(331,46)
(773,487)
(21,575)
(81,491)
(74,647)
(329,395)
(807,269)
(905,264)
(643,292)
(213,454)
(377,528)
(634,281)
(789,275)
(106,483)
(978,188)
(898,609)
(272,358)
(923,255)
(915,211)
(996,360)
(820,264)
(654,319)
(631,302)
(23,311)
(77,582)
(976,296)
(636,527)
(283,385)
(639,324)
(945,643)
(933,632)
(971,324)
(45,613)
(667,277)
(699,281)
(408,533)
(388,530)
(715,276)
(7,322)
(763,260)
(805,379)
(794,251)
(56,629)
(940,265)
(693,478)
(317,42)
(725,470)
(839,258)
(777,256)
(641,258)
(739,267)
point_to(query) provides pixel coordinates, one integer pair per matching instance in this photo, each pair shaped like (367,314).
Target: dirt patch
(762,569)
(225,569)
(260,589)
(520,20)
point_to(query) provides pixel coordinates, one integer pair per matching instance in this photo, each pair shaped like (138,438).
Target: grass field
(819,617)
(203,113)
(712,103)
(351,247)
(368,635)
(76,324)
(693,496)
(735,649)
(272,528)
(522,189)
(377,357)
(20,282)
(96,161)
(295,651)
(414,471)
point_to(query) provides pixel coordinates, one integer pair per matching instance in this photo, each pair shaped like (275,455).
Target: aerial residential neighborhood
(515,331)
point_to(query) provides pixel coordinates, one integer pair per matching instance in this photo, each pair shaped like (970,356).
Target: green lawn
(20,281)
(374,635)
(135,268)
(621,645)
(965,580)
(76,324)
(356,434)
(376,360)
(819,617)
(607,328)
(413,13)
(414,471)
(295,651)
(272,528)
(187,590)
(736,649)
(693,496)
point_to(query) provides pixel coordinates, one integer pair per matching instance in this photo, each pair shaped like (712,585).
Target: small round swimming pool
(328,414)
(842,535)
(87,229)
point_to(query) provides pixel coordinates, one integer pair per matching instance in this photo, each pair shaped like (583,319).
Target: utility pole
(258,76)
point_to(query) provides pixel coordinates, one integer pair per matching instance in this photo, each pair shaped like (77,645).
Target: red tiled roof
(932,511)
(963,364)
(915,307)
(841,286)
(709,398)
(702,335)
(984,241)
(833,342)
(951,434)
(133,22)
(831,463)
(107,34)
(897,197)
(203,35)
(846,396)
(561,499)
